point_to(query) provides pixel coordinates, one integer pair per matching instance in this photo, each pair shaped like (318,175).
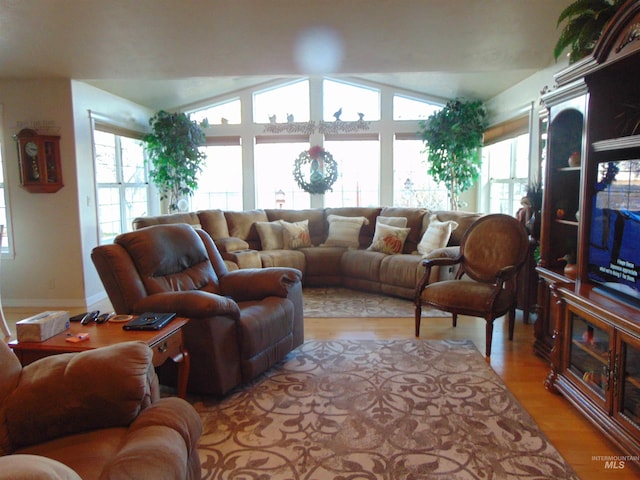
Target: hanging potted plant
(586,20)
(452,139)
(173,148)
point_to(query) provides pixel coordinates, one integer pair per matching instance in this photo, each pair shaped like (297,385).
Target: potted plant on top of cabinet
(586,20)
(453,136)
(173,147)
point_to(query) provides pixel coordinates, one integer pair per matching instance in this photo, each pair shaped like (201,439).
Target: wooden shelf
(599,356)
(620,143)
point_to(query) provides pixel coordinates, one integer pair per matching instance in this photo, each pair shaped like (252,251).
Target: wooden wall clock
(39,155)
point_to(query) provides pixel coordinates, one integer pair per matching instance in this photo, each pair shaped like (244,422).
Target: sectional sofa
(372,249)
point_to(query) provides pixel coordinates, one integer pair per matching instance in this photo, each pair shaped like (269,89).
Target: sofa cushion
(315,216)
(296,235)
(389,239)
(392,221)
(214,223)
(283,258)
(401,270)
(344,231)
(414,218)
(187,217)
(362,264)
(270,234)
(242,225)
(463,219)
(436,235)
(231,244)
(323,262)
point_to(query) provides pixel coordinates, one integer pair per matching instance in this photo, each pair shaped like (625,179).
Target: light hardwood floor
(522,371)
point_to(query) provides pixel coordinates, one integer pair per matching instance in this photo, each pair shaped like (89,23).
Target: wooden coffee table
(166,343)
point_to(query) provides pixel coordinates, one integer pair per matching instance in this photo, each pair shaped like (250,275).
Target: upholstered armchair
(95,414)
(492,251)
(241,322)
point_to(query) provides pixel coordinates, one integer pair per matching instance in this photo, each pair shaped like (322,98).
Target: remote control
(104,317)
(90,317)
(77,318)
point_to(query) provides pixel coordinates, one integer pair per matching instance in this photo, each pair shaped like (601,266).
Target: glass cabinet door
(589,354)
(628,382)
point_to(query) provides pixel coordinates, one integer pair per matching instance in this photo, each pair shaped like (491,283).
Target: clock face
(31,149)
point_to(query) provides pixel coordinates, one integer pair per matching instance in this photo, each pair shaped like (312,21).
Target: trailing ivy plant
(452,139)
(586,20)
(173,148)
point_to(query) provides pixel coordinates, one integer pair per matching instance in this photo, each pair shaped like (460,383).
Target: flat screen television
(614,247)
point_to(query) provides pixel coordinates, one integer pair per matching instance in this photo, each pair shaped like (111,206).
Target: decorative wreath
(323,170)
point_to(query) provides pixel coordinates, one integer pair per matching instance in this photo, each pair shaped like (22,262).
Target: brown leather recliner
(94,414)
(241,322)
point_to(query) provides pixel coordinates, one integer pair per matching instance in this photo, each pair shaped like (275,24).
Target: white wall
(118,112)
(52,235)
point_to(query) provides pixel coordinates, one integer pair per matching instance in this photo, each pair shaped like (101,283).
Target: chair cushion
(465,296)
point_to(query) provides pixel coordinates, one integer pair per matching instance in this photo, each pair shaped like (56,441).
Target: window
(405,108)
(508,166)
(412,185)
(121,183)
(220,181)
(350,101)
(288,103)
(220,114)
(358,183)
(273,170)
(3,208)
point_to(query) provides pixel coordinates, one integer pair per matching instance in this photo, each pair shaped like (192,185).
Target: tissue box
(42,326)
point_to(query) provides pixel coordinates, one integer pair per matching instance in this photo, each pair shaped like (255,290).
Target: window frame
(119,184)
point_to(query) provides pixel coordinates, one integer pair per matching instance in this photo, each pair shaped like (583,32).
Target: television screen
(614,249)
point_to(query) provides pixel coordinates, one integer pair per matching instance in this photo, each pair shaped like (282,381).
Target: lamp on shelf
(280,198)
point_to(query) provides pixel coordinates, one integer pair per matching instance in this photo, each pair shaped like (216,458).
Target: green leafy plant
(452,138)
(176,159)
(586,20)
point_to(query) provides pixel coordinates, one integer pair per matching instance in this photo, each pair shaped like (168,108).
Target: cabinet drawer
(168,348)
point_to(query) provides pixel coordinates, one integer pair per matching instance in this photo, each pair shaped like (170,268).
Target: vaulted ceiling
(171,53)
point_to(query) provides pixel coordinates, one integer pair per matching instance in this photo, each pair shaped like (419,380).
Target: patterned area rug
(343,302)
(394,409)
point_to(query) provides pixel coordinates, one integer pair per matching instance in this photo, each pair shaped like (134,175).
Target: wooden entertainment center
(591,339)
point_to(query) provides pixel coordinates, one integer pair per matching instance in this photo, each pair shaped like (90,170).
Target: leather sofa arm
(159,443)
(256,284)
(75,392)
(192,304)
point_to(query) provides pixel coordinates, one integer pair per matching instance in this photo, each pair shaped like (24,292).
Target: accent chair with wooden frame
(492,251)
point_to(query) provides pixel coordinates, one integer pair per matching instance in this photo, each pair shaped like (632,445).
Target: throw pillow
(270,234)
(389,239)
(392,221)
(295,235)
(344,231)
(436,235)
